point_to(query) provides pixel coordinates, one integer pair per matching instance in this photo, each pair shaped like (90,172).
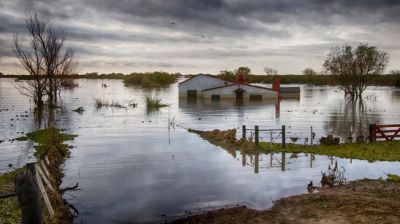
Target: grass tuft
(153,103)
(98,103)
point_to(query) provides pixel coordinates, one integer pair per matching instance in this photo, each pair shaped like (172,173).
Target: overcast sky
(206,36)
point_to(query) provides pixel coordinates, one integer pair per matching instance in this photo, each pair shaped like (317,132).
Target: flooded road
(132,167)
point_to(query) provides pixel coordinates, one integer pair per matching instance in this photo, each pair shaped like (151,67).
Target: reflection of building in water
(199,105)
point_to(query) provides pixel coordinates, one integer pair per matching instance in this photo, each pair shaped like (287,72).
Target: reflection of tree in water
(351,121)
(396,95)
(52,117)
(44,118)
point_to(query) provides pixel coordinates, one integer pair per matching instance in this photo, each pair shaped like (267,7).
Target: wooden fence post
(256,140)
(283,136)
(371,133)
(256,161)
(311,135)
(283,161)
(244,132)
(29,196)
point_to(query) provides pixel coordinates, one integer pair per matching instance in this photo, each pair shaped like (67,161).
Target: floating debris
(294,139)
(79,110)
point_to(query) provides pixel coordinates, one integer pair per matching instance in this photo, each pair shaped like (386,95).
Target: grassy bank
(50,143)
(9,208)
(382,151)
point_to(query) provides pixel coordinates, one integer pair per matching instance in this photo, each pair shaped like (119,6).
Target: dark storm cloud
(241,14)
(209,29)
(217,17)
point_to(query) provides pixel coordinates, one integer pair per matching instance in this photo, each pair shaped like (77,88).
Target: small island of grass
(150,79)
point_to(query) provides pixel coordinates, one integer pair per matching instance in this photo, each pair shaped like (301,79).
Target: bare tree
(47,41)
(32,61)
(354,69)
(270,71)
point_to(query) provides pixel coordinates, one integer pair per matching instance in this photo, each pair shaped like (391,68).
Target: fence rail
(30,190)
(257,131)
(384,131)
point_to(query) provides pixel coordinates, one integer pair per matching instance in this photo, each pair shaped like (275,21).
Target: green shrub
(153,79)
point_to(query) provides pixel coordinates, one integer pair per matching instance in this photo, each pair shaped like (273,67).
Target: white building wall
(199,83)
(228,92)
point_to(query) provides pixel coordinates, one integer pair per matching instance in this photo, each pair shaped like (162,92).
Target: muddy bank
(363,201)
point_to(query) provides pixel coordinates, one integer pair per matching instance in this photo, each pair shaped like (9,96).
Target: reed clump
(153,103)
(100,103)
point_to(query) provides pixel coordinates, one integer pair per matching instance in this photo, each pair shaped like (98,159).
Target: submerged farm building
(214,88)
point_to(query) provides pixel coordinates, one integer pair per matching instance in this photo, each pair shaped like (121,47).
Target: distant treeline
(381,80)
(164,78)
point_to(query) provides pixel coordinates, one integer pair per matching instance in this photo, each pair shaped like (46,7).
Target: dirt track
(364,201)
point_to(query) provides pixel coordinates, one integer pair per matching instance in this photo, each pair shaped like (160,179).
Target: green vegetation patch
(150,79)
(47,138)
(9,208)
(382,151)
(22,138)
(393,178)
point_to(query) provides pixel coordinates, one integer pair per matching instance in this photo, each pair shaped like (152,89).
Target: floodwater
(133,167)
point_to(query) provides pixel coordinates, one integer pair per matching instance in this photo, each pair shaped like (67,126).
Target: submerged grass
(153,103)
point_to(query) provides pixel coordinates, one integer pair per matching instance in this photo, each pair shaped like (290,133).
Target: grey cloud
(204,29)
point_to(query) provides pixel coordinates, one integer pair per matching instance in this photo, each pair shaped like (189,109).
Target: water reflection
(280,160)
(161,171)
(203,105)
(350,121)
